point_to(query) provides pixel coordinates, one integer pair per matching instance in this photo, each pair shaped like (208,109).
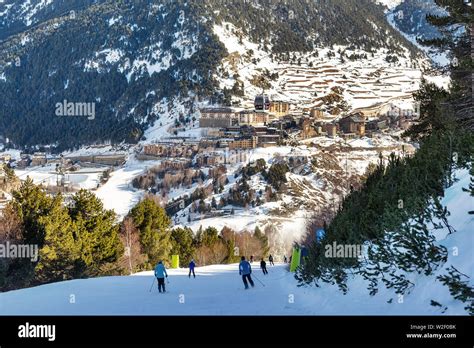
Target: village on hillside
(217,173)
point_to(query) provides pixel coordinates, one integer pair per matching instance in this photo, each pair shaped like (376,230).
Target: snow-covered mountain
(136,62)
(149,67)
(18,16)
(409,17)
(363,78)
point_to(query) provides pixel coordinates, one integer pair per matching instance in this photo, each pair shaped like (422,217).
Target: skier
(191,268)
(263,266)
(285,259)
(245,270)
(251,258)
(270,259)
(160,273)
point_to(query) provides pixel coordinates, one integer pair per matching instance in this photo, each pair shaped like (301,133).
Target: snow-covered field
(118,193)
(365,81)
(216,290)
(86,178)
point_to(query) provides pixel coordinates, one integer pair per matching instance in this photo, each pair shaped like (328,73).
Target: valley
(142,135)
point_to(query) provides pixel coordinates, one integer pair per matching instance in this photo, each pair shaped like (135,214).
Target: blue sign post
(320,233)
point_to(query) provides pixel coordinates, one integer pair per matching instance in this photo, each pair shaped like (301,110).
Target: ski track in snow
(118,193)
(216,290)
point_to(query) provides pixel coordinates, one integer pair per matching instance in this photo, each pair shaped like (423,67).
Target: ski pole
(259,280)
(152,284)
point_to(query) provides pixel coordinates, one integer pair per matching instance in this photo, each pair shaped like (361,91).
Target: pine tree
(210,236)
(9,172)
(30,203)
(154,226)
(182,244)
(470,189)
(97,234)
(433,116)
(457,14)
(458,285)
(60,250)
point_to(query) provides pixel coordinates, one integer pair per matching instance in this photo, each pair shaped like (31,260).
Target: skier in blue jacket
(245,270)
(160,274)
(191,269)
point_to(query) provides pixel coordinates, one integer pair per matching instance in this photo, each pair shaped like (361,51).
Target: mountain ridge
(131,58)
